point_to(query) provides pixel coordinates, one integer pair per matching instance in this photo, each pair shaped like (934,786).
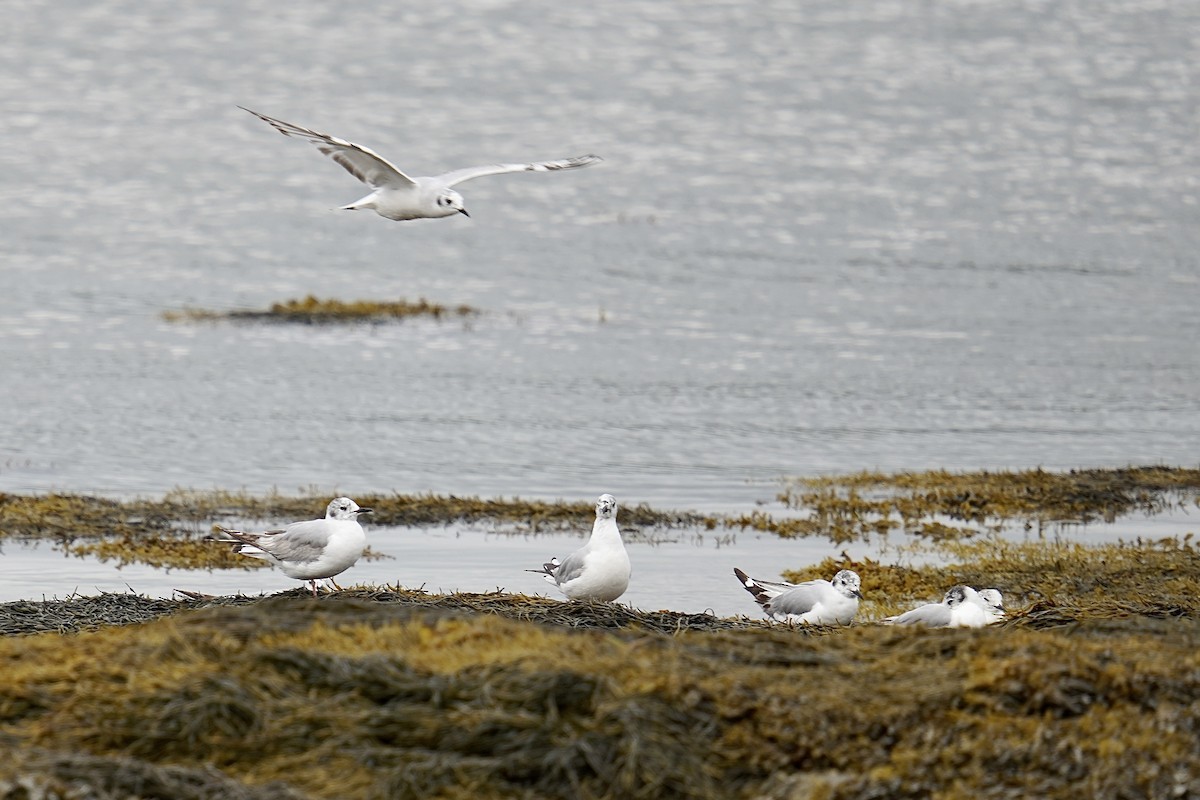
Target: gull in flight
(600,569)
(962,607)
(311,550)
(816,602)
(398,196)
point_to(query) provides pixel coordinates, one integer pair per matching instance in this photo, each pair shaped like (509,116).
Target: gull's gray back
(799,600)
(934,615)
(300,543)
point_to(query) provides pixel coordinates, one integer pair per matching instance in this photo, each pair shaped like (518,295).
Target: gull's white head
(992,599)
(606,507)
(847,582)
(451,202)
(344,508)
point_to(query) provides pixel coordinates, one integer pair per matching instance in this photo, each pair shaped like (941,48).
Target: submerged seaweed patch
(146,532)
(313,311)
(854,507)
(170,532)
(865,506)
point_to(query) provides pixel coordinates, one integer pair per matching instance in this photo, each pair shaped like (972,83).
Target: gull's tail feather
(547,571)
(243,544)
(762,595)
(566,163)
(364,203)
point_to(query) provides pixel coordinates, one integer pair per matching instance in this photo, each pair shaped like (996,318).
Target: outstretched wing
(361,162)
(469,173)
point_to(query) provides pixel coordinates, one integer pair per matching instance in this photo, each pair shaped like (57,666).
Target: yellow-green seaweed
(312,310)
(170,532)
(859,507)
(845,508)
(353,698)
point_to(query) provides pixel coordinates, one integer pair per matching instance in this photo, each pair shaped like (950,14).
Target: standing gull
(816,602)
(398,196)
(311,550)
(960,608)
(600,569)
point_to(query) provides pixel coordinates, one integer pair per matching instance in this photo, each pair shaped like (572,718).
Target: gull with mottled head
(398,196)
(600,569)
(816,602)
(960,608)
(310,550)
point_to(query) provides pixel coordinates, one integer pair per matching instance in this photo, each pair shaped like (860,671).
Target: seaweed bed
(1088,689)
(393,694)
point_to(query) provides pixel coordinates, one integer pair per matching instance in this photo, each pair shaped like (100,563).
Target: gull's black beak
(366,510)
(463,211)
(858,594)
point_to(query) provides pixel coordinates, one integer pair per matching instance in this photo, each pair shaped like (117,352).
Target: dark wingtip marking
(753,588)
(747,581)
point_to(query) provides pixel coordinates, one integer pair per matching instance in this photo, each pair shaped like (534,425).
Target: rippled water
(826,237)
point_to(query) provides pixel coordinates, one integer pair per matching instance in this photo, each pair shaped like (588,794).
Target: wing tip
(586,160)
(746,580)
(760,594)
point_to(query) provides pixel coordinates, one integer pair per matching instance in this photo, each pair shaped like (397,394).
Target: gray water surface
(826,237)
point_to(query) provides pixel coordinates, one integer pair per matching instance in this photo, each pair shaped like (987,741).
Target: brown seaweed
(315,311)
(354,697)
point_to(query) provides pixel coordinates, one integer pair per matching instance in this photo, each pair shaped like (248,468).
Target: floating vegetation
(170,532)
(414,510)
(363,697)
(314,311)
(855,507)
(109,529)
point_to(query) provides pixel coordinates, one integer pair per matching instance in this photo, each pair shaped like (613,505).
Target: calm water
(826,237)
